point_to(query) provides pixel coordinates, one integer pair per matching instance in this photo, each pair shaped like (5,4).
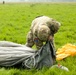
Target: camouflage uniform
(42,29)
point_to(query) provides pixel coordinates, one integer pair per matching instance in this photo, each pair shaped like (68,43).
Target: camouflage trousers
(33,40)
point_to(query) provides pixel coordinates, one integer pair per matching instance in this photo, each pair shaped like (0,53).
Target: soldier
(42,29)
(3,2)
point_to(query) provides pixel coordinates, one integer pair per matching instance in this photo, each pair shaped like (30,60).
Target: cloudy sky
(38,0)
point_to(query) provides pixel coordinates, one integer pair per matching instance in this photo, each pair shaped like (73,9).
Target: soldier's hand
(51,38)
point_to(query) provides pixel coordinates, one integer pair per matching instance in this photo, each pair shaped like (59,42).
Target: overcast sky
(38,0)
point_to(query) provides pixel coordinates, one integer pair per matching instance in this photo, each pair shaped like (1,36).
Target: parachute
(12,54)
(66,51)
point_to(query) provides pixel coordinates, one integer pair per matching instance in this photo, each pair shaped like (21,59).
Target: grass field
(15,21)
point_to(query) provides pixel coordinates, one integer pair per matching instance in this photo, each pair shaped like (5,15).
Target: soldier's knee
(29,44)
(39,45)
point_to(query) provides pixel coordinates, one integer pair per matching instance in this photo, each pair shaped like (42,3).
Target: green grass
(15,21)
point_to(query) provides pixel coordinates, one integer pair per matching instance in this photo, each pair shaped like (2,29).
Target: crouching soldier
(42,29)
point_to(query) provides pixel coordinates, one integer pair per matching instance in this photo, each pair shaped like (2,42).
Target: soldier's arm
(51,39)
